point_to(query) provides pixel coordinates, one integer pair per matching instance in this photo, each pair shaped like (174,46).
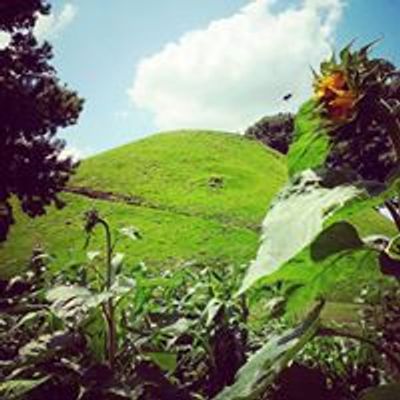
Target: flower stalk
(93,219)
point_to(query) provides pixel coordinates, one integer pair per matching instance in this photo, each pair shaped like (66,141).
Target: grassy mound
(194,195)
(203,193)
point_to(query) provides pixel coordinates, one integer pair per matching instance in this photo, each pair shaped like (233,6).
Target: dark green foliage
(274,131)
(39,357)
(178,335)
(33,105)
(181,335)
(172,335)
(189,315)
(17,14)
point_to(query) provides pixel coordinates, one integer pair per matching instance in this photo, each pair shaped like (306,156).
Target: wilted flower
(91,219)
(328,85)
(338,98)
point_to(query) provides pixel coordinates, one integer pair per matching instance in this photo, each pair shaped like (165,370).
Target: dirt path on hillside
(137,201)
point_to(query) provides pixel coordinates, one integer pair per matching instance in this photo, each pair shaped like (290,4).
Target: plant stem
(108,252)
(323,331)
(109,311)
(245,309)
(112,334)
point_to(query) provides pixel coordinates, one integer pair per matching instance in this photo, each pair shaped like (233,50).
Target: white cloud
(50,26)
(237,69)
(73,152)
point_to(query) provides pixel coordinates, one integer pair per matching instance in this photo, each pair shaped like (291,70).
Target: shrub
(274,131)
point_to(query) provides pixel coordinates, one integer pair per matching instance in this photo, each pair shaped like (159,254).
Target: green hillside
(193,195)
(204,195)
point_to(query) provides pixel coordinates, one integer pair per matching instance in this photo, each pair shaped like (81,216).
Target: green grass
(192,220)
(168,238)
(172,171)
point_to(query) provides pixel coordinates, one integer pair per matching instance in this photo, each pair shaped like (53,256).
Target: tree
(274,131)
(33,105)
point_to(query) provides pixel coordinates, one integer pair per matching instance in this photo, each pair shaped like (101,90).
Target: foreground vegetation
(113,331)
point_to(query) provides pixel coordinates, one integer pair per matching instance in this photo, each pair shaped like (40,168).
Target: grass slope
(190,218)
(174,172)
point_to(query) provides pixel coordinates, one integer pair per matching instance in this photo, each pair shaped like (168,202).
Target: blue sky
(146,66)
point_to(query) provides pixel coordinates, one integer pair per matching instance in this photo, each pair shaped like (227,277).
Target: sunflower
(334,92)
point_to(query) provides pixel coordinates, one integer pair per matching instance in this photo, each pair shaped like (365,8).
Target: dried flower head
(91,220)
(334,92)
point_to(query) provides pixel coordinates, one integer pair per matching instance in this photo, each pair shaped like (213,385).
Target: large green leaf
(66,293)
(293,222)
(17,389)
(165,360)
(123,286)
(311,141)
(338,237)
(31,318)
(46,345)
(262,367)
(178,328)
(339,279)
(73,302)
(371,195)
(212,309)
